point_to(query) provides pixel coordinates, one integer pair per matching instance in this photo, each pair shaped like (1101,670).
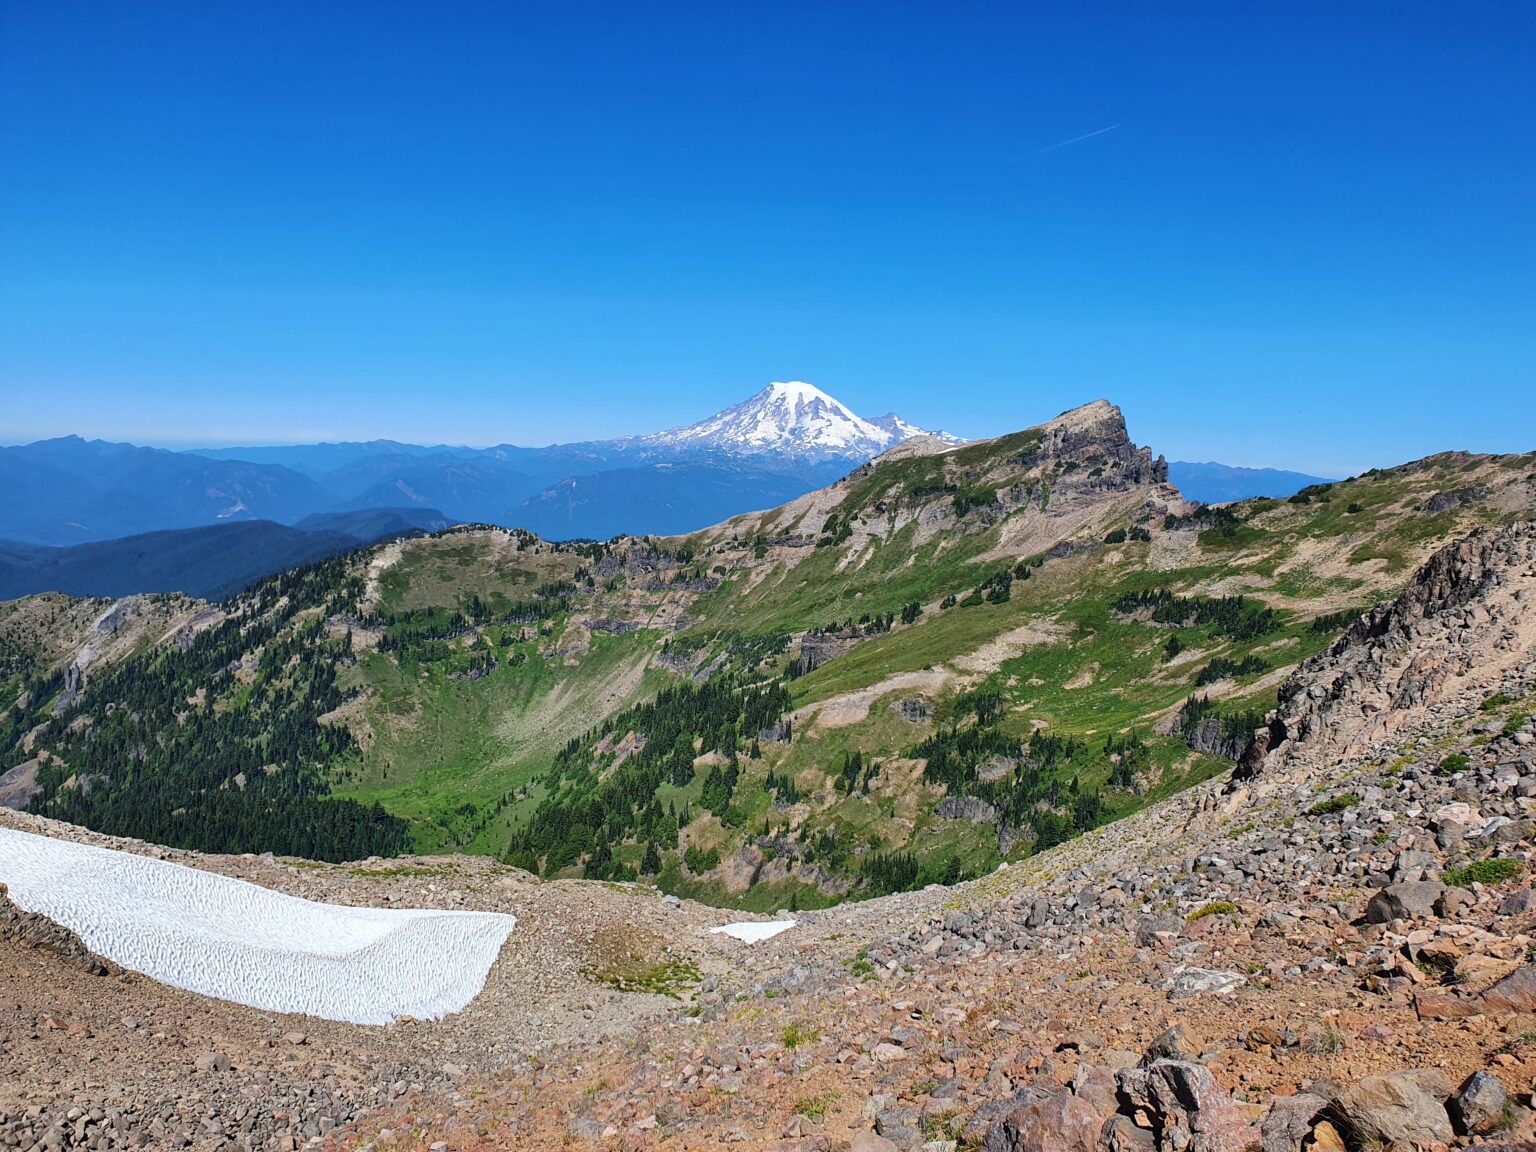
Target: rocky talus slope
(1333,952)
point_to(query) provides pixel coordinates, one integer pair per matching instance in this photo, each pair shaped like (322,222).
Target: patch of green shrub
(1214,908)
(815,1107)
(1334,804)
(794,1035)
(1484,872)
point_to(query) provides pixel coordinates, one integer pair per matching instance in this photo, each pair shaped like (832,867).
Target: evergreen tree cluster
(1130,755)
(1222,667)
(889,872)
(185,744)
(783,788)
(431,635)
(588,810)
(1235,617)
(1028,794)
(1239,722)
(1335,621)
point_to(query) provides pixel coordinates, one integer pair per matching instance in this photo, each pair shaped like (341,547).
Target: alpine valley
(953,656)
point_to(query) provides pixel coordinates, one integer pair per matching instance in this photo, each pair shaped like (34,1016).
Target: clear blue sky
(1310,241)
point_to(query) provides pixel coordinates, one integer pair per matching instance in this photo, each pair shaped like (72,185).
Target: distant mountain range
(786,440)
(1212,483)
(212,561)
(668,499)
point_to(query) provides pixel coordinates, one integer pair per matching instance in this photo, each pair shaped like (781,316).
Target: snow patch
(752,931)
(226,938)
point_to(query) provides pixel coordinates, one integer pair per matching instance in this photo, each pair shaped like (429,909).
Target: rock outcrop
(34,931)
(1465,609)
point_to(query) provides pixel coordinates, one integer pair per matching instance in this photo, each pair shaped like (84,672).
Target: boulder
(1097,1086)
(1152,929)
(1398,1109)
(901,1126)
(1515,993)
(1452,901)
(992,1113)
(1289,1120)
(1178,1043)
(1064,1122)
(1442,1006)
(1480,1106)
(1413,900)
(1326,1138)
(1518,902)
(212,1062)
(1412,865)
(1122,1134)
(1188,1110)
(1190,981)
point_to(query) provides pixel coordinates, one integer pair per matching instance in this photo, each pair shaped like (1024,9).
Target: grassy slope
(442,743)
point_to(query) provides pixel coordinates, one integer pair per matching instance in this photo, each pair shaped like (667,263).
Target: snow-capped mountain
(788,439)
(902,430)
(791,419)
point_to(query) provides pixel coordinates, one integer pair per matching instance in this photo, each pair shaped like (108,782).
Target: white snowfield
(237,941)
(752,931)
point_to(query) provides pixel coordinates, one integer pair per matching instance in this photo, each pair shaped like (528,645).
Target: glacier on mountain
(791,418)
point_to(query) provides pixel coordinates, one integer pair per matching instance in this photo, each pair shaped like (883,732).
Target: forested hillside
(950,658)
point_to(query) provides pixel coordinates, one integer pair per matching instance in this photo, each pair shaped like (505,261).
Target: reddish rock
(1189,1111)
(1440,1006)
(1061,1123)
(1515,993)
(1289,1121)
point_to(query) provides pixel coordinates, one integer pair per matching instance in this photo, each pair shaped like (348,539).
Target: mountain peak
(798,390)
(790,418)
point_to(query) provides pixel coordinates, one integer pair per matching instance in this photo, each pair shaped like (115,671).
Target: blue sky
(1309,241)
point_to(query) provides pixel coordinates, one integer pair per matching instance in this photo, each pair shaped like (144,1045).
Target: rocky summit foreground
(1329,948)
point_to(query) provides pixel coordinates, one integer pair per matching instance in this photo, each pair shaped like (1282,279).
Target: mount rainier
(792,419)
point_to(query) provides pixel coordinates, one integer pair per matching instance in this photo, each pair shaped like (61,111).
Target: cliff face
(1096,434)
(1465,620)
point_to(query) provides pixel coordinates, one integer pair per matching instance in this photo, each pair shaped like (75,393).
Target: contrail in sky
(1074,140)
